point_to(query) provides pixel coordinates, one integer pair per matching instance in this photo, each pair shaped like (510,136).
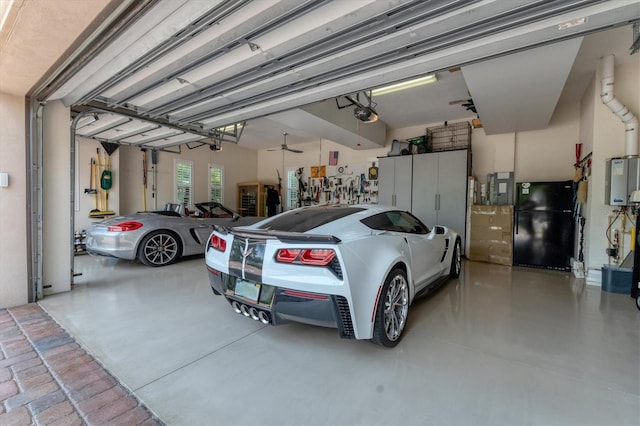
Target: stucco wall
(13,201)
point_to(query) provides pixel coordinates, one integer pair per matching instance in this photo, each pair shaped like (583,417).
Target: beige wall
(549,154)
(490,154)
(608,141)
(240,165)
(85,202)
(315,153)
(13,201)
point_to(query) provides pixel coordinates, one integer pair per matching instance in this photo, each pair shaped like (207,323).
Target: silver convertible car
(161,237)
(354,268)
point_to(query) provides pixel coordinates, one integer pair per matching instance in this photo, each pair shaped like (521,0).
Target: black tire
(392,310)
(456,261)
(160,248)
(638,302)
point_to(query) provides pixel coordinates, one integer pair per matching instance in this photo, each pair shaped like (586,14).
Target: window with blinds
(183,182)
(292,189)
(216,183)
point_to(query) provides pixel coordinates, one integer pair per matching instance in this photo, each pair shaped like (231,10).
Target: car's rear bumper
(112,246)
(287,305)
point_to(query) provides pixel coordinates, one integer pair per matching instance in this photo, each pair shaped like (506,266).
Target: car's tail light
(287,255)
(314,257)
(124,226)
(218,243)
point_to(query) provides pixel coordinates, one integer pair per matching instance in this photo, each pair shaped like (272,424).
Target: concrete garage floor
(500,345)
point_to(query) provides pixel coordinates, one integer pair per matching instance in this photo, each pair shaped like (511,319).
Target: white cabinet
(394,181)
(439,191)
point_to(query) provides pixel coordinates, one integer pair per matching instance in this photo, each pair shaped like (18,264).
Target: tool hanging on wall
(106,182)
(154,174)
(97,169)
(144,179)
(93,187)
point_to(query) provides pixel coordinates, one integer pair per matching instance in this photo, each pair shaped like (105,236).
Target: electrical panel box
(622,177)
(501,188)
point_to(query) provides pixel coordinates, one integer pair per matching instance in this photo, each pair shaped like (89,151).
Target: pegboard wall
(342,184)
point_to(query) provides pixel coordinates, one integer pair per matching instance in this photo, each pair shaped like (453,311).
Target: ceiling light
(409,84)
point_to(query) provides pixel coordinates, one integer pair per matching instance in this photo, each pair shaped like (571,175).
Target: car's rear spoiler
(284,236)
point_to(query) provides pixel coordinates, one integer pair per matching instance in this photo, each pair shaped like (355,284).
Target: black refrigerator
(544,226)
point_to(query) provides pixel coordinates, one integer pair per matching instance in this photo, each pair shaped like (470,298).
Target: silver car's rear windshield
(307,219)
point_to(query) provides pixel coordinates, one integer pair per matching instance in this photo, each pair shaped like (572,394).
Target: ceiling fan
(284,146)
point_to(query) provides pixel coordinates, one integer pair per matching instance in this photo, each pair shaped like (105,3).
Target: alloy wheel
(396,307)
(161,249)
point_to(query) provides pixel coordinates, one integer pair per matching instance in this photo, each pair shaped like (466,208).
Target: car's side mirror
(439,230)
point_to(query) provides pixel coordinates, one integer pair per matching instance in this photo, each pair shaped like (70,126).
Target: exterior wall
(56,199)
(14,276)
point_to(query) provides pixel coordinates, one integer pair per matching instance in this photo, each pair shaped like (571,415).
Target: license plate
(247,290)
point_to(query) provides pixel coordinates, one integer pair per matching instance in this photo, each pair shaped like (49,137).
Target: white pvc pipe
(607,94)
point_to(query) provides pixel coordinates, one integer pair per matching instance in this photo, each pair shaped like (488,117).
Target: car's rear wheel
(456,261)
(159,248)
(392,310)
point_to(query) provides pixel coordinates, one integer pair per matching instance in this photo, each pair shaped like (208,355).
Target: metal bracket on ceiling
(355,101)
(231,133)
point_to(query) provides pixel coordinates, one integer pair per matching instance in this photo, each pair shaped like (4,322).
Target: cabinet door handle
(437,201)
(393,200)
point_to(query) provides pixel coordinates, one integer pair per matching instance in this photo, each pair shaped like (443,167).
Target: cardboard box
(492,234)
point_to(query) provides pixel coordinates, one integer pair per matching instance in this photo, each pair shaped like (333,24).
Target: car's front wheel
(392,310)
(159,248)
(456,261)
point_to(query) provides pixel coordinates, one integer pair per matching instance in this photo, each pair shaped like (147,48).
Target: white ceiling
(224,70)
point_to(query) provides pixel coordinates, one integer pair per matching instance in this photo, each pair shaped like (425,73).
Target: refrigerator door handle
(516,221)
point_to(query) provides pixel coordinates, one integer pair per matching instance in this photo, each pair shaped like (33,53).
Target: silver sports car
(160,238)
(354,268)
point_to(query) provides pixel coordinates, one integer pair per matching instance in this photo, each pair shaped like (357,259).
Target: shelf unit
(251,198)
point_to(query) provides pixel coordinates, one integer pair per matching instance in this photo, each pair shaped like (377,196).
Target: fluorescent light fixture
(5,7)
(409,84)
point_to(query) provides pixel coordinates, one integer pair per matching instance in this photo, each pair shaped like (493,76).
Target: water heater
(622,177)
